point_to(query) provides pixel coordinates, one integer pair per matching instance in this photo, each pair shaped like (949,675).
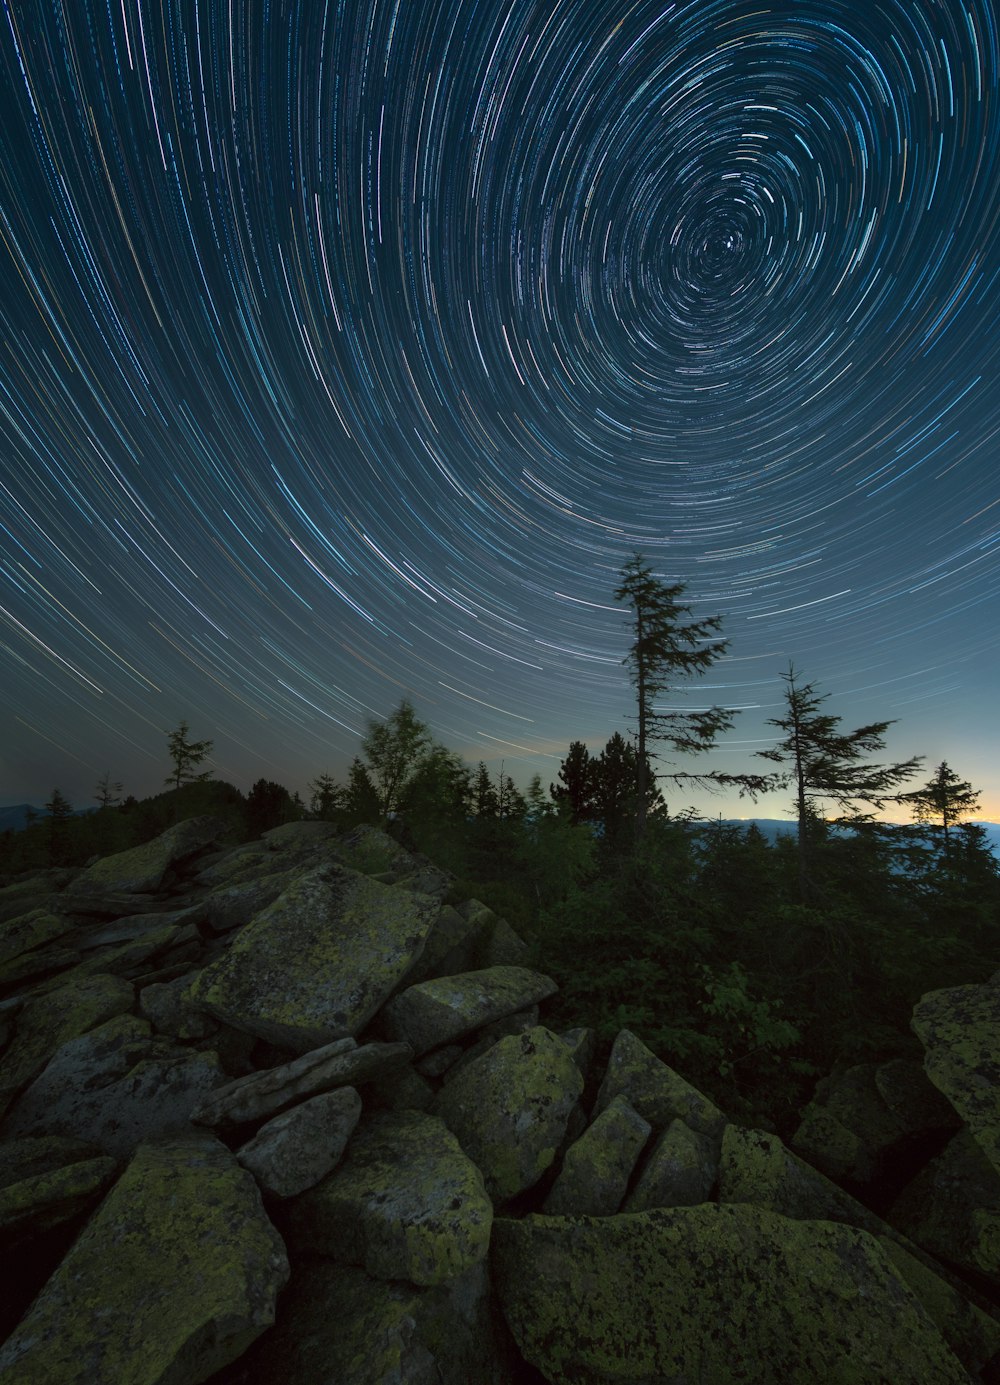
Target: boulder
(681,1171)
(451,946)
(847,1130)
(972,1334)
(318,963)
(342,1327)
(115,1087)
(709,1294)
(25,932)
(405,1202)
(952,1207)
(295,1150)
(596,1168)
(141,869)
(659,1094)
(913,1099)
(960,1030)
(48,1021)
(172,1278)
(509,1108)
(439,1011)
(231,906)
(43,1200)
(265,1093)
(165,1004)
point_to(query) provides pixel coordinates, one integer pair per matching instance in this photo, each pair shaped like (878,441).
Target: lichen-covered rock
(46,1022)
(451,945)
(960,1030)
(948,1206)
(166,1006)
(438,1011)
(757,1168)
(265,1093)
(232,905)
(405,1202)
(510,1107)
(913,1099)
(44,1200)
(141,869)
(681,1171)
(295,1150)
(657,1092)
(115,1087)
(342,1327)
(28,931)
(596,1168)
(502,947)
(316,964)
(848,1130)
(582,1044)
(972,1334)
(173,1277)
(710,1294)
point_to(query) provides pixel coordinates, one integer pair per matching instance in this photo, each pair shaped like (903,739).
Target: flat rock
(260,1094)
(960,1030)
(510,1108)
(46,1022)
(44,1200)
(171,1279)
(405,1202)
(710,1294)
(657,1092)
(597,1167)
(116,1088)
(295,1150)
(681,1171)
(438,1011)
(316,964)
(233,905)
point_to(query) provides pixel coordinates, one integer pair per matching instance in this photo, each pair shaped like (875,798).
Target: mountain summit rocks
(288,1110)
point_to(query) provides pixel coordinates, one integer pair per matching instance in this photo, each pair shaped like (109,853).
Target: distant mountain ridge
(772,828)
(14,816)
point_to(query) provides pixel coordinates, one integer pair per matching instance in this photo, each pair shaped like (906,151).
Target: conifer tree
(108,791)
(668,646)
(59,811)
(575,791)
(822,762)
(944,800)
(186,755)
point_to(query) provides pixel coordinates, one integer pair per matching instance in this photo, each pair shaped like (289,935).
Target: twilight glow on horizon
(348,348)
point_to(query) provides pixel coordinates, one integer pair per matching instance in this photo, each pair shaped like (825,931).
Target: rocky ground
(279,1113)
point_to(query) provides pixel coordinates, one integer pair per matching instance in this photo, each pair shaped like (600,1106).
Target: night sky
(348,349)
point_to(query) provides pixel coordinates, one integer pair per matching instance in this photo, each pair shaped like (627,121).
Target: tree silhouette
(944,801)
(108,791)
(393,749)
(668,646)
(822,762)
(186,755)
(574,793)
(59,811)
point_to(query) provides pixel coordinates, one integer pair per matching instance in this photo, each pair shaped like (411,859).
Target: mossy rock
(405,1202)
(680,1171)
(657,1092)
(318,962)
(45,1200)
(172,1278)
(438,1011)
(597,1167)
(960,1030)
(710,1294)
(46,1022)
(141,869)
(510,1108)
(28,931)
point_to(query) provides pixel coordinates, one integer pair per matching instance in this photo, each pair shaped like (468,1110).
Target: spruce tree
(944,801)
(186,755)
(819,762)
(669,646)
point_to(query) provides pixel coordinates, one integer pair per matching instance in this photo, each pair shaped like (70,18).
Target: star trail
(349,347)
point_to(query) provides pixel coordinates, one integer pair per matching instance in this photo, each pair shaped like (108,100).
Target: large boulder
(960,1030)
(404,1202)
(709,1294)
(47,1180)
(952,1208)
(847,1130)
(27,931)
(172,1278)
(141,869)
(596,1168)
(510,1108)
(657,1092)
(441,1010)
(116,1087)
(317,964)
(46,1022)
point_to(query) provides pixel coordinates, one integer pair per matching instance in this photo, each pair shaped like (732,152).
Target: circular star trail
(349,349)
